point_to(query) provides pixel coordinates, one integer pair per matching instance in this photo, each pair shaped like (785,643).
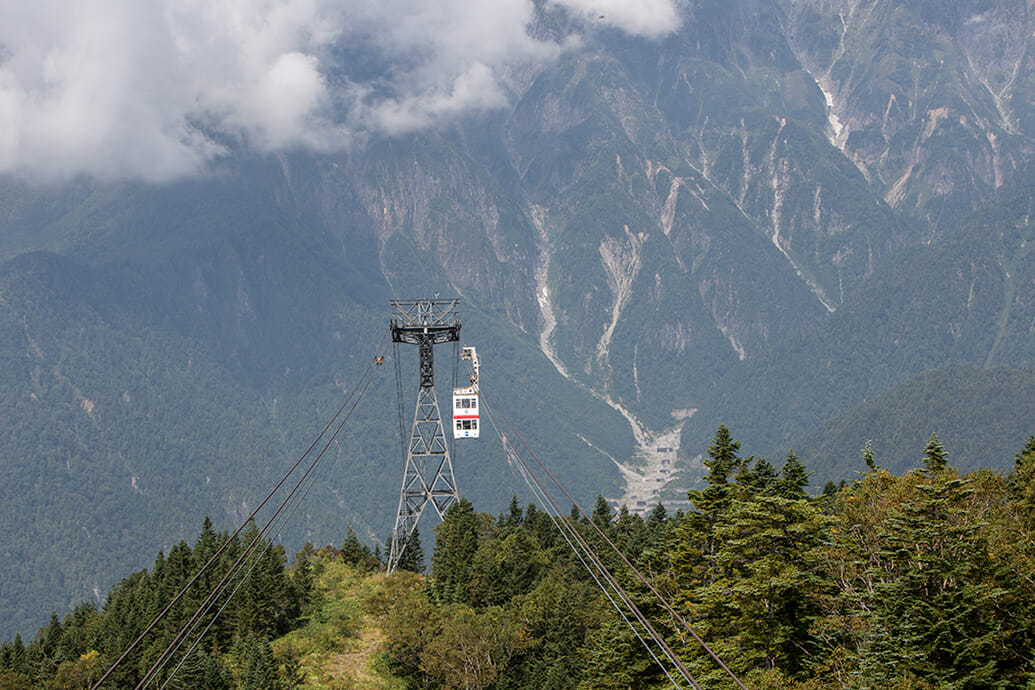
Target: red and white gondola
(465,401)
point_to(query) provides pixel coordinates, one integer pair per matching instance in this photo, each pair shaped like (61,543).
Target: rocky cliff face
(781,210)
(647,208)
(932,103)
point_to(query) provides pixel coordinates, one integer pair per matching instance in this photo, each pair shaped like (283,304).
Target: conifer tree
(793,478)
(1021,482)
(258,667)
(630,533)
(12,656)
(765,586)
(1027,454)
(658,526)
(356,553)
(602,515)
(504,566)
(758,477)
(935,457)
(615,658)
(207,544)
(302,577)
(412,557)
(513,518)
(456,541)
(934,610)
(696,544)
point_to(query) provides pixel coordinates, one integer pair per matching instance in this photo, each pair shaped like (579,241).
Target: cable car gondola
(465,401)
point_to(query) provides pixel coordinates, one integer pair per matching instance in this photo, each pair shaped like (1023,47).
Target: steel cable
(161,615)
(668,607)
(588,550)
(163,659)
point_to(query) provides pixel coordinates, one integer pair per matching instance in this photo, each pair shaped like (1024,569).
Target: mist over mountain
(807,220)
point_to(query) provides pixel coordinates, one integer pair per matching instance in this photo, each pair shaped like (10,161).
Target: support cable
(240,582)
(254,562)
(399,397)
(161,615)
(612,581)
(668,607)
(212,622)
(563,527)
(192,623)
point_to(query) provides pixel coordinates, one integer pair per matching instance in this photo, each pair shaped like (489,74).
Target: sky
(160,89)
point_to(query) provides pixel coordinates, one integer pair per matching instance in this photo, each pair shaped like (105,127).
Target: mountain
(801,219)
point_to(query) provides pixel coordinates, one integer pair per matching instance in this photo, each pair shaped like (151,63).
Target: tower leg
(428,475)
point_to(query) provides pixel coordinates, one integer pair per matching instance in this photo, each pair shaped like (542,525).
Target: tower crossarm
(419,335)
(431,313)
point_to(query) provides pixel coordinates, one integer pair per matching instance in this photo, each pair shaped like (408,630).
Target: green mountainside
(967,299)
(992,404)
(803,219)
(918,580)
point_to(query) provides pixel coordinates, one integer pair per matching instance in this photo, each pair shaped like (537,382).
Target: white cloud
(647,18)
(147,88)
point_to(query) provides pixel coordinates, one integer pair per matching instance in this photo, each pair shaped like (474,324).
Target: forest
(918,580)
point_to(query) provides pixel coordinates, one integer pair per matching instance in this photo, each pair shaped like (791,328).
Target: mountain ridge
(650,226)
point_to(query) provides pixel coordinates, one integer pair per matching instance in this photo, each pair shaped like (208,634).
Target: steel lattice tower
(428,476)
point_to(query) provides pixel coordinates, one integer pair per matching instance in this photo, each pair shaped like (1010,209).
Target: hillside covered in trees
(807,220)
(921,580)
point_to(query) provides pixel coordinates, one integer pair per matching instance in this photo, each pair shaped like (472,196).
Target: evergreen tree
(504,567)
(456,541)
(200,671)
(630,534)
(793,478)
(1021,482)
(696,543)
(541,526)
(1027,454)
(207,544)
(723,461)
(765,588)
(658,526)
(356,553)
(12,655)
(302,577)
(412,557)
(615,658)
(258,667)
(513,518)
(758,477)
(602,515)
(926,599)
(935,457)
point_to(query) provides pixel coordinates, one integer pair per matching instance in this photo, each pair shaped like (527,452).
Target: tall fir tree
(412,557)
(456,541)
(356,553)
(935,457)
(696,544)
(793,478)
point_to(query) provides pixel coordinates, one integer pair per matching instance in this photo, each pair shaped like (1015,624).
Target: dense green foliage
(948,394)
(130,408)
(267,602)
(675,222)
(921,580)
